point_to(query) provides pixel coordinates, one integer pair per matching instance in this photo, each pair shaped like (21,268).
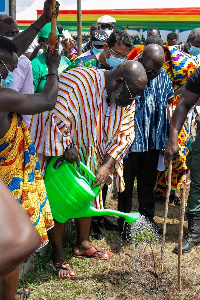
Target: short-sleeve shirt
(40,70)
(193,83)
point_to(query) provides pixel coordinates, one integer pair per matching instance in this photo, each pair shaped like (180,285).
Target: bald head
(125,82)
(153,31)
(152,59)
(153,52)
(8,26)
(134,74)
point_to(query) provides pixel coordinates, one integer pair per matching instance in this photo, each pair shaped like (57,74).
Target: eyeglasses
(156,72)
(104,26)
(125,85)
(118,55)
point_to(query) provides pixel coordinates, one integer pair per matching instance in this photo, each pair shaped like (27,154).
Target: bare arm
(186,101)
(12,101)
(18,238)
(25,38)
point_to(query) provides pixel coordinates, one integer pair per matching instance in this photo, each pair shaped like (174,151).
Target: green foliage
(146,236)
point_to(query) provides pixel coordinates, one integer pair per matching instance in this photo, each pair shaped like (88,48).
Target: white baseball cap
(106,19)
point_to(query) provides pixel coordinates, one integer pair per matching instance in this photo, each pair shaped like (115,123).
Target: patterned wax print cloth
(179,66)
(20,170)
(89,61)
(82,116)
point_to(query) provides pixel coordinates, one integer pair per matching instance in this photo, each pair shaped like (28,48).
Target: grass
(128,275)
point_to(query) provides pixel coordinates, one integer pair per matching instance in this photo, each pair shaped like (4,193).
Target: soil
(135,272)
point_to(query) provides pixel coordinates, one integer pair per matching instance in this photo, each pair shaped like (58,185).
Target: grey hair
(194,34)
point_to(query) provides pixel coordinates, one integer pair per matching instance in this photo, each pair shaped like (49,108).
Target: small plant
(147,237)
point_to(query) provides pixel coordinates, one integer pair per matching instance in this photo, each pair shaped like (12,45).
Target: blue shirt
(151,119)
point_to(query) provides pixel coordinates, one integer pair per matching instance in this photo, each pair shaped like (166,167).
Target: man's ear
(119,79)
(105,47)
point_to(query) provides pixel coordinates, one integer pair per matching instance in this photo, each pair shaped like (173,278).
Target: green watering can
(70,193)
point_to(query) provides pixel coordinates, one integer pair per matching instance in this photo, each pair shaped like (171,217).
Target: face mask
(6,83)
(96,51)
(113,61)
(194,50)
(108,31)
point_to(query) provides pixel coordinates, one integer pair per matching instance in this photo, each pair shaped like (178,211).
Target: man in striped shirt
(93,121)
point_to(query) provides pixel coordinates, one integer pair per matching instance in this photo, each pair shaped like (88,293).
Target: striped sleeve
(123,138)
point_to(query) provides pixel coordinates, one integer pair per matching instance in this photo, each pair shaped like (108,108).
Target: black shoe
(96,231)
(192,237)
(106,224)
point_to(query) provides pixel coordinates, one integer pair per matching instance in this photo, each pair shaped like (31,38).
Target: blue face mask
(194,51)
(6,83)
(113,61)
(96,51)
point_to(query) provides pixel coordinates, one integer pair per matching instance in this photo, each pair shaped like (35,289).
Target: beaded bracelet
(53,74)
(38,30)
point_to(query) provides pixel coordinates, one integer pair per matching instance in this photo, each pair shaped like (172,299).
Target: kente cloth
(83,117)
(179,66)
(20,170)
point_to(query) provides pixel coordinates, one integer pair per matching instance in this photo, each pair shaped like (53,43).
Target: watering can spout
(93,212)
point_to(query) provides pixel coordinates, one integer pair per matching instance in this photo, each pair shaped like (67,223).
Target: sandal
(23,295)
(95,253)
(64,265)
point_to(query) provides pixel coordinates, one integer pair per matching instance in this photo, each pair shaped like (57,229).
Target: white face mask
(108,31)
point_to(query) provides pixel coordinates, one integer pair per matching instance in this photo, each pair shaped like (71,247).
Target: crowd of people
(117,108)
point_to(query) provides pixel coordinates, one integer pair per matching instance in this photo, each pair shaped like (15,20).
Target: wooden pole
(53,38)
(180,238)
(79,24)
(166,210)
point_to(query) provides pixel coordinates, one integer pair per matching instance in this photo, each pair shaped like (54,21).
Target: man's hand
(48,10)
(71,155)
(171,150)
(53,61)
(68,44)
(102,175)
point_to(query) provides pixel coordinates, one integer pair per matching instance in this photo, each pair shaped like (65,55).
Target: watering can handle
(87,171)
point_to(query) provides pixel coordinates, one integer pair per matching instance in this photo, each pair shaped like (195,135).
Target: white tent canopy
(30,11)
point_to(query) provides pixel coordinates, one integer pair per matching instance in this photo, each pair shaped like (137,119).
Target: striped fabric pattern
(83,117)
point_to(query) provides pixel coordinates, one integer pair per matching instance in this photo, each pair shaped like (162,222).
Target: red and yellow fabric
(20,170)
(179,66)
